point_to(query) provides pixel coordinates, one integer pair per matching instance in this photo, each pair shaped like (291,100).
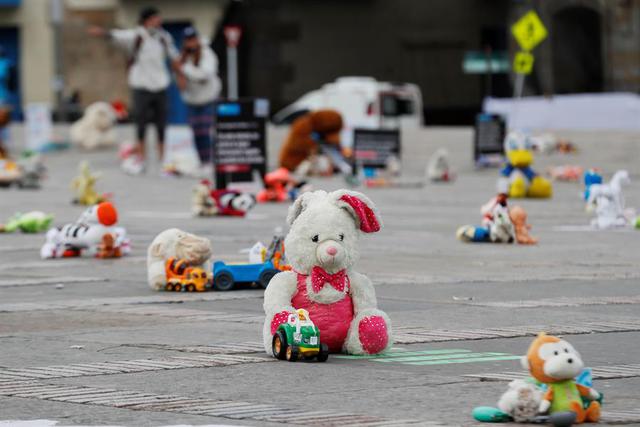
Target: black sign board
(372,148)
(490,131)
(240,143)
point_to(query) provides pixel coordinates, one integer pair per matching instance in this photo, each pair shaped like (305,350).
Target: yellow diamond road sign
(529,30)
(523,62)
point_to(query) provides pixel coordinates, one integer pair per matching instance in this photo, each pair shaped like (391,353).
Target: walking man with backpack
(149,47)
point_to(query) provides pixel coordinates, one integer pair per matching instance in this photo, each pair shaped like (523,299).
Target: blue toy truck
(225,276)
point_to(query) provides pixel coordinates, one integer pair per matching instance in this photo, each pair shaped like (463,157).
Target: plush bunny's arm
(277,296)
(362,292)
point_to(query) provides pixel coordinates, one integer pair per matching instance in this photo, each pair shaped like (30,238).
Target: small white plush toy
(438,168)
(96,128)
(608,201)
(322,247)
(496,219)
(175,243)
(521,400)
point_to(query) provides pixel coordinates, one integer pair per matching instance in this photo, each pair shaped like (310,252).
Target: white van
(363,102)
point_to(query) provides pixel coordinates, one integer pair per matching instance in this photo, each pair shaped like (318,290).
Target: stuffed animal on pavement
(108,248)
(556,363)
(30,222)
(518,217)
(96,128)
(322,247)
(202,204)
(496,224)
(86,234)
(306,130)
(521,401)
(211,202)
(438,168)
(608,201)
(178,244)
(522,180)
(84,187)
(232,202)
(33,170)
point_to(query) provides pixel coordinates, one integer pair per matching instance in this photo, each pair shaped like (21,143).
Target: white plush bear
(178,244)
(322,247)
(96,128)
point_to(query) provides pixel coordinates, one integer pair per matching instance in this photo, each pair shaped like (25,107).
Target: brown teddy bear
(300,144)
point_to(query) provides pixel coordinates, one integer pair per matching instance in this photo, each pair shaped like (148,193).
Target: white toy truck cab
(363,102)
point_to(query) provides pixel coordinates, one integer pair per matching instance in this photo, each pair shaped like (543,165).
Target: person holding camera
(199,84)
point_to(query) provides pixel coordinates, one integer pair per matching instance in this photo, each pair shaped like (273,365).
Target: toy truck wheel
(279,345)
(191,287)
(223,281)
(266,277)
(168,287)
(177,287)
(323,355)
(292,353)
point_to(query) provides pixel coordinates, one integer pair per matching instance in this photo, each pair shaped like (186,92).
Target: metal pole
(518,86)
(232,72)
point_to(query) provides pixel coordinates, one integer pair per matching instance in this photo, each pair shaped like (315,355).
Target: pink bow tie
(319,277)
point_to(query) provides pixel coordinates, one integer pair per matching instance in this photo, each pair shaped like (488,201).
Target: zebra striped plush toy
(95,226)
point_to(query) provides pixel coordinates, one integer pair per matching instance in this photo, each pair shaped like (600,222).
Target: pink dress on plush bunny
(322,246)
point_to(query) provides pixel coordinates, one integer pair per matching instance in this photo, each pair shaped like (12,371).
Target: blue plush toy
(591,177)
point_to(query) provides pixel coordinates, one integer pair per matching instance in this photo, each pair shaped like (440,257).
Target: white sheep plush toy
(322,247)
(175,243)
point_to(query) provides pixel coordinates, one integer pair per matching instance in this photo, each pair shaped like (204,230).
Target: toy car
(181,277)
(299,337)
(225,276)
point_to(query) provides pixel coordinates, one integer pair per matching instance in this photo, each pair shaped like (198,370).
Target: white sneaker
(133,165)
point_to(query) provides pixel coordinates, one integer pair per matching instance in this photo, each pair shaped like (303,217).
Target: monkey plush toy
(556,363)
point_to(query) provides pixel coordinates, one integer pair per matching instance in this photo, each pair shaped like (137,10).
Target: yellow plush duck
(522,180)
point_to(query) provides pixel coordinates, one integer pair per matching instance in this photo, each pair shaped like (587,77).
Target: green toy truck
(299,337)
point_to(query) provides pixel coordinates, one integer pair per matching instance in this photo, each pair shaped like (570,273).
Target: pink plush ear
(363,210)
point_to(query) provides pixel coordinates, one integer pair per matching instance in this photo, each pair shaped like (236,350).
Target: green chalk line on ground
(454,356)
(401,354)
(470,360)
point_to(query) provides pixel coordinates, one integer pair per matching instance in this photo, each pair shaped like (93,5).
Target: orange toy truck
(182,277)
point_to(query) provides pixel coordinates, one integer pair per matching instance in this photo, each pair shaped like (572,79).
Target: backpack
(137,44)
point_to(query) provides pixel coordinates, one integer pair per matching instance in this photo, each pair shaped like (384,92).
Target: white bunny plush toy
(322,247)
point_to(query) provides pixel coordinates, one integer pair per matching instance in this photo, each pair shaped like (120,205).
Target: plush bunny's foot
(370,333)
(271,326)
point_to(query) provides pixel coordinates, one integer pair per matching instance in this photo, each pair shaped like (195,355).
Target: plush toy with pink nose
(322,247)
